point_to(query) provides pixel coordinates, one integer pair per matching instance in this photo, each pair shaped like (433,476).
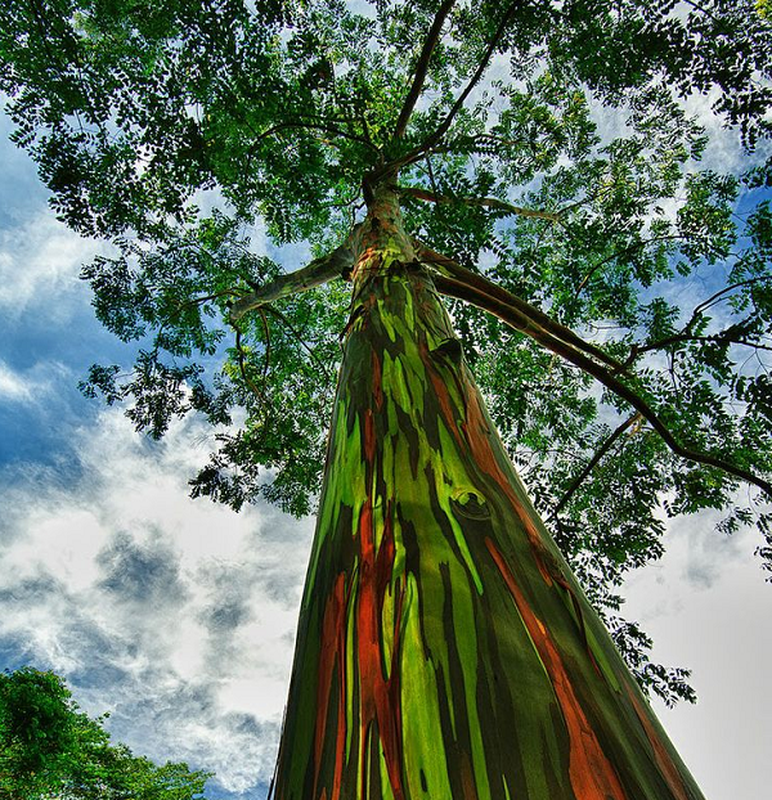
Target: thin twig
(301,341)
(308,126)
(243,369)
(267,331)
(617,254)
(719,295)
(716,338)
(206,298)
(593,462)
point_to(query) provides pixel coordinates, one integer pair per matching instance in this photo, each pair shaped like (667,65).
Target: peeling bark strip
(444,649)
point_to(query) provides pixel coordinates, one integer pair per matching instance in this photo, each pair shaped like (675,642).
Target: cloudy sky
(177,616)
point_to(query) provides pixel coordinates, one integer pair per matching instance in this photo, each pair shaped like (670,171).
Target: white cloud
(724,152)
(40,262)
(28,386)
(175,615)
(707,607)
(12,385)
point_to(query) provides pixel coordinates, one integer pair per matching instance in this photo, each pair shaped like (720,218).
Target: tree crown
(178,129)
(49,748)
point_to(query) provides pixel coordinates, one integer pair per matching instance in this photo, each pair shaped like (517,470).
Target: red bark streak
(379,697)
(334,637)
(592,775)
(467,778)
(340,741)
(440,392)
(479,441)
(664,761)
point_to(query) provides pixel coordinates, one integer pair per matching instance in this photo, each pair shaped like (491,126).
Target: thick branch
(483,65)
(485,202)
(319,271)
(479,294)
(531,317)
(421,68)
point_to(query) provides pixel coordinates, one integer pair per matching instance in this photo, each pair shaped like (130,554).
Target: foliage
(51,749)
(281,116)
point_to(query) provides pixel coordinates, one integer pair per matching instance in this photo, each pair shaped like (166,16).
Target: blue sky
(177,616)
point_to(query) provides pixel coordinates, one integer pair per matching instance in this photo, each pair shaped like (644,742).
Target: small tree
(445,648)
(50,749)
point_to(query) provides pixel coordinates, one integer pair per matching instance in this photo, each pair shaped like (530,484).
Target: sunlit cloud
(175,615)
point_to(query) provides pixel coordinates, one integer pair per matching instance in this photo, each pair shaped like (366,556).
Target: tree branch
(620,253)
(685,335)
(267,331)
(593,462)
(301,341)
(421,68)
(251,385)
(483,65)
(716,338)
(508,308)
(713,299)
(485,202)
(319,271)
(429,143)
(311,126)
(531,318)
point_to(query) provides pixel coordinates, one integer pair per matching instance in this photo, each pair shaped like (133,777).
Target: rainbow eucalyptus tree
(609,303)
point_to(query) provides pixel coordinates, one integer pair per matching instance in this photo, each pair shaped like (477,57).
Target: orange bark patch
(592,775)
(478,437)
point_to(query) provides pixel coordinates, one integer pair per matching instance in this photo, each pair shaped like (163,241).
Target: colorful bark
(444,649)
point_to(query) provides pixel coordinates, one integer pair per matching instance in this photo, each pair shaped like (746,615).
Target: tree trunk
(444,649)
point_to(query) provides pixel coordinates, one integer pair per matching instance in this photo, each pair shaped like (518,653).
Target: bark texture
(444,649)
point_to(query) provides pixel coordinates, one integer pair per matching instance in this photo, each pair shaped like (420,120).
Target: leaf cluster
(49,748)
